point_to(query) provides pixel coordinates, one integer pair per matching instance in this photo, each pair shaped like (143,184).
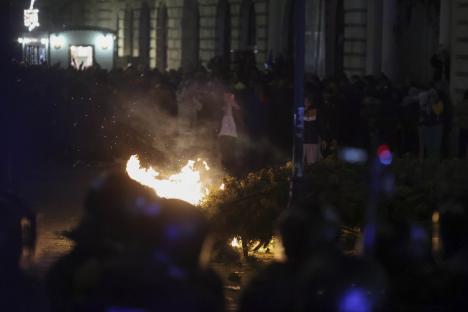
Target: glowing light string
(31,17)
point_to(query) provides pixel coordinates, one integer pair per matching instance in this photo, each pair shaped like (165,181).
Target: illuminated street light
(104,41)
(57,41)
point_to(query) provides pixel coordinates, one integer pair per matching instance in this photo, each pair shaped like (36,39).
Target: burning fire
(236,243)
(274,246)
(185,185)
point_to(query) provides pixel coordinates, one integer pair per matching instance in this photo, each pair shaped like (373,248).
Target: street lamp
(299,72)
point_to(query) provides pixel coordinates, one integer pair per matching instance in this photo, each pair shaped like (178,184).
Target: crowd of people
(134,251)
(98,115)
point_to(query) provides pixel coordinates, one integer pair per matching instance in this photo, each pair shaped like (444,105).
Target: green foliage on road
(249,207)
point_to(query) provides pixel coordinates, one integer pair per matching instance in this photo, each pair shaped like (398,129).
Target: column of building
(174,33)
(389,39)
(121,24)
(153,34)
(238,26)
(207,29)
(125,18)
(136,12)
(356,37)
(459,49)
(445,23)
(235,23)
(101,14)
(278,27)
(261,12)
(315,31)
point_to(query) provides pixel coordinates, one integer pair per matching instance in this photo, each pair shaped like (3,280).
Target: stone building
(359,37)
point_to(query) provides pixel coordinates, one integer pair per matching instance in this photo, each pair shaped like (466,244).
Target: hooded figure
(135,250)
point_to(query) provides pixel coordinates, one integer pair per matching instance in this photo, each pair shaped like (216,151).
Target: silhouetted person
(454,235)
(440,63)
(229,134)
(342,284)
(431,124)
(18,292)
(310,238)
(461,114)
(135,251)
(312,152)
(331,281)
(404,250)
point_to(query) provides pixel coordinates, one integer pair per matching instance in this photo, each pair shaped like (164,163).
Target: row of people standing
(367,112)
(364,112)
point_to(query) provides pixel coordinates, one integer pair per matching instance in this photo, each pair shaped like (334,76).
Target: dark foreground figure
(398,274)
(135,252)
(18,291)
(317,276)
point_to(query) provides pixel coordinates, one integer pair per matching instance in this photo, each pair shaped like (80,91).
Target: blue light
(152,210)
(161,256)
(386,158)
(355,300)
(385,155)
(369,236)
(353,155)
(125,309)
(140,202)
(418,234)
(172,232)
(176,272)
(388,184)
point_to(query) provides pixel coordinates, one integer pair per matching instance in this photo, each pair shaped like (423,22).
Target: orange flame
(185,185)
(236,243)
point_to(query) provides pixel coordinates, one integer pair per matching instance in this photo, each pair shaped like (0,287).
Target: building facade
(358,37)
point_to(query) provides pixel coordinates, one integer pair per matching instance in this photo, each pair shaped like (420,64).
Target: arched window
(145,33)
(223,30)
(161,40)
(289,36)
(248,25)
(190,35)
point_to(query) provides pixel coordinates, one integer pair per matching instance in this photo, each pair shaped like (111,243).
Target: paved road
(57,194)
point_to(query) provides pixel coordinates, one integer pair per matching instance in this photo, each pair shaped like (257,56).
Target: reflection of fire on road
(256,246)
(186,185)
